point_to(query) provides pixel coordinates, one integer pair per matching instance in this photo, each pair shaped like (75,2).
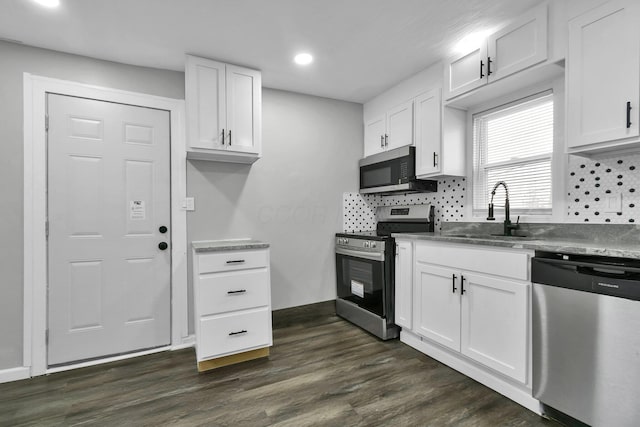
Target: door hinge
(46,229)
(46,337)
(46,123)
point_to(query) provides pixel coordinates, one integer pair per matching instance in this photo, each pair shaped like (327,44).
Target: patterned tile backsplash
(359,209)
(592,182)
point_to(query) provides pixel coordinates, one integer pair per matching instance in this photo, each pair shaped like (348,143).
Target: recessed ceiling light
(303,59)
(48,3)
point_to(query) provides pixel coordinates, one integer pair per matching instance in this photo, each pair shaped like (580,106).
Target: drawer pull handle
(238,333)
(235,261)
(240,291)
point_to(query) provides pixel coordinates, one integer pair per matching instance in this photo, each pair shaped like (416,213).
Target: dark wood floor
(322,371)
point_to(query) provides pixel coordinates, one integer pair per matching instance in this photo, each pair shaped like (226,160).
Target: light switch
(613,203)
(189,204)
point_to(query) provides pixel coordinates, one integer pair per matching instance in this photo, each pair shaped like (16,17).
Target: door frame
(35,89)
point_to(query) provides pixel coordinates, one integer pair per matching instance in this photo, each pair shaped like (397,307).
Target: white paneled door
(108,251)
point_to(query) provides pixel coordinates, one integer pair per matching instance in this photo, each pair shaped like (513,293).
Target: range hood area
(393,172)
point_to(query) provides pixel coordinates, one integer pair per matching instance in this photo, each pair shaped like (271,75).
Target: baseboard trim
(106,360)
(518,394)
(187,342)
(14,374)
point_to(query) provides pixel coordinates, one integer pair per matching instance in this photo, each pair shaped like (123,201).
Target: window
(514,143)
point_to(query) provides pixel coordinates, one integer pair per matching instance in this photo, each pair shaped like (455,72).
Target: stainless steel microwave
(393,171)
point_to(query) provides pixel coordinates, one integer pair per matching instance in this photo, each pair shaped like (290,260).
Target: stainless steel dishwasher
(586,338)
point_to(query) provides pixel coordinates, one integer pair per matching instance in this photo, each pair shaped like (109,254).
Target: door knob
(162,246)
(162,229)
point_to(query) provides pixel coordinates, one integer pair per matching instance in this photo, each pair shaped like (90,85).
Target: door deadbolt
(162,229)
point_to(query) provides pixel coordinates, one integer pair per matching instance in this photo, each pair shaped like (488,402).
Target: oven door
(361,279)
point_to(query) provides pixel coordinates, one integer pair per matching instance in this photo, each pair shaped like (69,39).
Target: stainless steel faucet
(508,227)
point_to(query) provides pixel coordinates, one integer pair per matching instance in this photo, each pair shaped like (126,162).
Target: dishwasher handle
(599,278)
(610,273)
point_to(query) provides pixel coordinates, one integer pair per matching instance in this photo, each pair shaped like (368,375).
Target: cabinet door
(466,72)
(519,45)
(428,132)
(400,126)
(495,329)
(374,136)
(244,92)
(603,74)
(437,304)
(205,102)
(403,283)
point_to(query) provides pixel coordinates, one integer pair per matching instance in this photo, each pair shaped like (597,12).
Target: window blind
(514,143)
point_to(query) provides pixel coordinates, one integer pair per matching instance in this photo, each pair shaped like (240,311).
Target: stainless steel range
(365,268)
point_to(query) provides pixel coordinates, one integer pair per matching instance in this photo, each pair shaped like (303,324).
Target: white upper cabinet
(603,77)
(440,137)
(391,130)
(224,111)
(374,131)
(466,72)
(400,126)
(517,46)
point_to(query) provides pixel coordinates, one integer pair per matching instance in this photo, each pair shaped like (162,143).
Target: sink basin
(488,236)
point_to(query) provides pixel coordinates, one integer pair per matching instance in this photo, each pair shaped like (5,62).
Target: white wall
(292,197)
(17,59)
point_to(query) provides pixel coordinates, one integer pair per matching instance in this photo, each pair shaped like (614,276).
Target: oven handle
(373,256)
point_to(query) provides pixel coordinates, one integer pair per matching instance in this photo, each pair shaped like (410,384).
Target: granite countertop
(602,240)
(227,245)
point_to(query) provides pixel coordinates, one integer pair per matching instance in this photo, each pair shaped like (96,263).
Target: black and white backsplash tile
(359,209)
(592,182)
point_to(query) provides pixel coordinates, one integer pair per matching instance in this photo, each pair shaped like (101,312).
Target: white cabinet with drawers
(232,302)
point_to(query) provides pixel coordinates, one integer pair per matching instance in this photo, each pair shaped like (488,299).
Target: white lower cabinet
(494,323)
(471,310)
(403,311)
(232,301)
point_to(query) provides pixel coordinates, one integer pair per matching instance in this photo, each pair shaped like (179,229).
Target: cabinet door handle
(229,136)
(381,141)
(481,69)
(453,282)
(435,159)
(244,331)
(386,140)
(239,291)
(489,61)
(628,114)
(222,136)
(462,291)
(235,261)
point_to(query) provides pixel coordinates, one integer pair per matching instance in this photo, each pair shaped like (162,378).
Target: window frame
(559,157)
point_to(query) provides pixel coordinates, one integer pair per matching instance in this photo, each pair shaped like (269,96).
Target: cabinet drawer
(232,291)
(500,262)
(234,332)
(232,260)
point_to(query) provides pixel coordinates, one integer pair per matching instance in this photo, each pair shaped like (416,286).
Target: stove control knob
(373,244)
(366,244)
(346,241)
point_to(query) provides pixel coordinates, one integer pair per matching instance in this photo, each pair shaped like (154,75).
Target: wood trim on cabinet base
(219,362)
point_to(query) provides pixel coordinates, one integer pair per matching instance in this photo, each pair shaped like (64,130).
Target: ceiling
(360,47)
